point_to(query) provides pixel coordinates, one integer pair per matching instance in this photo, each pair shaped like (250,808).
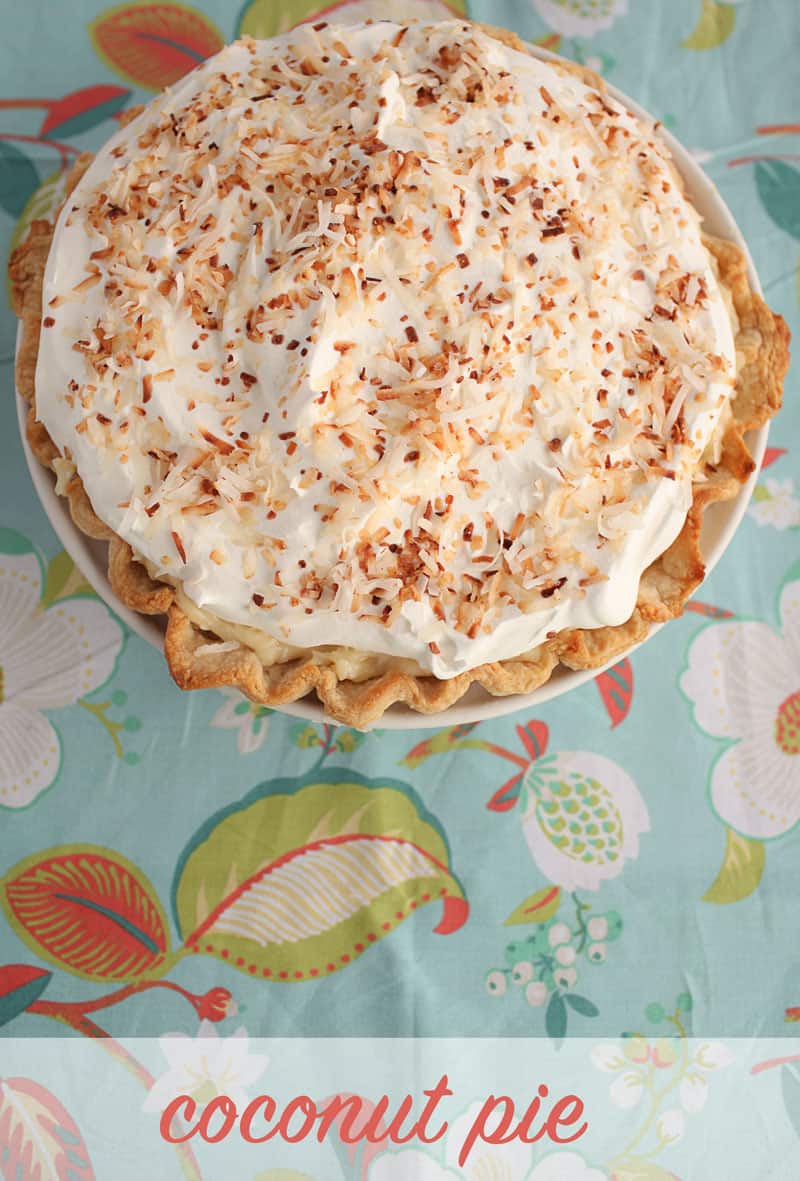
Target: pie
(390,359)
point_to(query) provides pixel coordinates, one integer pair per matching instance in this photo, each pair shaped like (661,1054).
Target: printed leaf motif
(741,870)
(616,690)
(305,736)
(18,179)
(62,579)
(12,542)
(790,1088)
(555,1019)
(20,986)
(540,907)
(266,18)
(283,1175)
(581,1005)
(87,910)
(302,876)
(707,609)
(347,741)
(153,45)
(440,743)
(534,738)
(636,1169)
(41,203)
(507,795)
(778,187)
(715,25)
(83,109)
(39,1138)
(770,455)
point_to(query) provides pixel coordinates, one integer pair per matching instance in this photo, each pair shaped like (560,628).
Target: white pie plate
(719,524)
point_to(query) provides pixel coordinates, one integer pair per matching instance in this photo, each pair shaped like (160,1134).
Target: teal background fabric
(691,925)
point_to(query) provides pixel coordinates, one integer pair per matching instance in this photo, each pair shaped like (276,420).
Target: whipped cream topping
(390,338)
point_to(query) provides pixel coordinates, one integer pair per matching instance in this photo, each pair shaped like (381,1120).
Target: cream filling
(348,663)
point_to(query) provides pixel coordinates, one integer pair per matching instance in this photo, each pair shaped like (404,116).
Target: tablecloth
(620,860)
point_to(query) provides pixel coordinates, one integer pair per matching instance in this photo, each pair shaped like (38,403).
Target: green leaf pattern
(301,877)
(778,185)
(18,179)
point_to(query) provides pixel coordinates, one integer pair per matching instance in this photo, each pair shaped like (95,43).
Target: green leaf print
(537,908)
(555,1021)
(81,110)
(266,18)
(18,179)
(41,203)
(12,542)
(581,1005)
(741,870)
(790,1088)
(20,986)
(715,25)
(62,579)
(778,186)
(298,879)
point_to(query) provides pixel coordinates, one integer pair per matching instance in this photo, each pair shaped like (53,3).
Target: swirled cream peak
(387,337)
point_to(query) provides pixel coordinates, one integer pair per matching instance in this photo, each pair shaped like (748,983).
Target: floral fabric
(620,861)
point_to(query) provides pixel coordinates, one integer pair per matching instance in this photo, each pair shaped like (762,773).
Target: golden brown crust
(352,702)
(762,342)
(196,658)
(131,583)
(128,116)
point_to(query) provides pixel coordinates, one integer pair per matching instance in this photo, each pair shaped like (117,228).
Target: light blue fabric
(737,960)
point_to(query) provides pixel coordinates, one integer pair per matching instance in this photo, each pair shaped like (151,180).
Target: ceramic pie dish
(522,393)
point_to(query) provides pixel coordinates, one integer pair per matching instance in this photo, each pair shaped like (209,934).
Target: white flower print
(582,816)
(671,1126)
(774,503)
(49,659)
(627,1089)
(743,680)
(485,1160)
(579,18)
(500,1162)
(608,1057)
(693,1092)
(247,718)
(565,1166)
(206,1066)
(713,1056)
(410,1164)
(637,1059)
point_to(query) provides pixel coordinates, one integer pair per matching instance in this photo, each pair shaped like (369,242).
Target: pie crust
(219,654)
